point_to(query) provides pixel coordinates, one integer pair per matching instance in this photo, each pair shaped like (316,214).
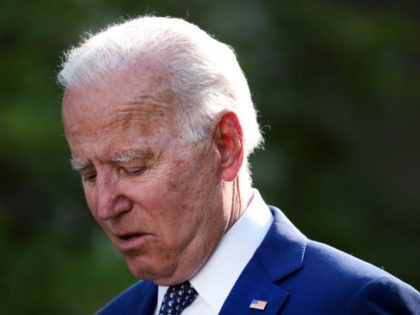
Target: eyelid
(131,162)
(86,171)
(88,176)
(134,170)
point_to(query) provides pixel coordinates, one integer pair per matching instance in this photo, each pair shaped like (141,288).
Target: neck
(237,198)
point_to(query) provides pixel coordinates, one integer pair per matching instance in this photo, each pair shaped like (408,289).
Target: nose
(111,201)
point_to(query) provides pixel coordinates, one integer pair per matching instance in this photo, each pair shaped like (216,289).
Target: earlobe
(230,145)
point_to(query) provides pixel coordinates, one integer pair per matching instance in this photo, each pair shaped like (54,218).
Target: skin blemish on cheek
(172,186)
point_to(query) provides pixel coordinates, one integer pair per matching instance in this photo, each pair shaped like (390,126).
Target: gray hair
(202,73)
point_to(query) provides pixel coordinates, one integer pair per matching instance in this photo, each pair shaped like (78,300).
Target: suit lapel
(145,299)
(148,305)
(254,284)
(279,255)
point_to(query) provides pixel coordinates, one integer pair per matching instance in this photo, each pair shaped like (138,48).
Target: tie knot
(177,298)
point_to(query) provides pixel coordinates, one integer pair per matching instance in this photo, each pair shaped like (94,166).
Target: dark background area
(337,88)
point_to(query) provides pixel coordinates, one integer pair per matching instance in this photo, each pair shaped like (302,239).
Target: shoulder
(140,298)
(323,259)
(321,279)
(339,281)
(385,296)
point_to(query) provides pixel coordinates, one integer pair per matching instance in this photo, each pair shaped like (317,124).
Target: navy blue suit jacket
(296,276)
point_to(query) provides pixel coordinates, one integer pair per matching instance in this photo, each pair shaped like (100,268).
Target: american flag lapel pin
(258,305)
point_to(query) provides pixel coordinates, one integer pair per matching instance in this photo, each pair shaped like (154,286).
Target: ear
(230,145)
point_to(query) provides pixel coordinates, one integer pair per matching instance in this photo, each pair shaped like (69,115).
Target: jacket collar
(280,254)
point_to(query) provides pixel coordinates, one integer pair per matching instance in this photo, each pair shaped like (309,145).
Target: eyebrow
(78,167)
(130,156)
(124,158)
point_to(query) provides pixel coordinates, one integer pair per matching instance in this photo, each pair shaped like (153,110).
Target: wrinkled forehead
(142,80)
(120,98)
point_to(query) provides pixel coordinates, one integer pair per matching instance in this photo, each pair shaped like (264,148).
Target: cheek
(193,185)
(182,181)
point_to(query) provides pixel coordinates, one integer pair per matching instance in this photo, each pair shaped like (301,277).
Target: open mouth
(129,242)
(129,236)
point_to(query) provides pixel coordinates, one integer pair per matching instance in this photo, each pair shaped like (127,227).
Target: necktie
(177,298)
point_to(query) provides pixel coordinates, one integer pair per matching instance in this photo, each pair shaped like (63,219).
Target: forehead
(122,111)
(120,98)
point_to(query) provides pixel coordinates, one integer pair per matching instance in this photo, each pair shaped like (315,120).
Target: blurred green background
(337,87)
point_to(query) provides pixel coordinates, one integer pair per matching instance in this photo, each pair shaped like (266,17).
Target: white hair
(202,73)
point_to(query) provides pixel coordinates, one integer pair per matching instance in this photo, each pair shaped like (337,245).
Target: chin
(147,271)
(140,271)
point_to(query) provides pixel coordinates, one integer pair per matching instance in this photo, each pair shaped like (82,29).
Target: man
(160,123)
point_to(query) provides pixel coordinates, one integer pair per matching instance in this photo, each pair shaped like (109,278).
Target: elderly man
(160,123)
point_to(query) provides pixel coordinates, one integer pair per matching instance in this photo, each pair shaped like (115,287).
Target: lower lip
(133,243)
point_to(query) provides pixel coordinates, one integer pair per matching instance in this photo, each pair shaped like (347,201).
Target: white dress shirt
(218,276)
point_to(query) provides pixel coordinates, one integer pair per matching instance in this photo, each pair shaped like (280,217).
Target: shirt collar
(218,276)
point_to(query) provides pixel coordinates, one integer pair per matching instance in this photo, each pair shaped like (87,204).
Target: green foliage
(336,85)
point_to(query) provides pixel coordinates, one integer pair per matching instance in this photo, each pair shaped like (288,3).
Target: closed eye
(134,171)
(89,177)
